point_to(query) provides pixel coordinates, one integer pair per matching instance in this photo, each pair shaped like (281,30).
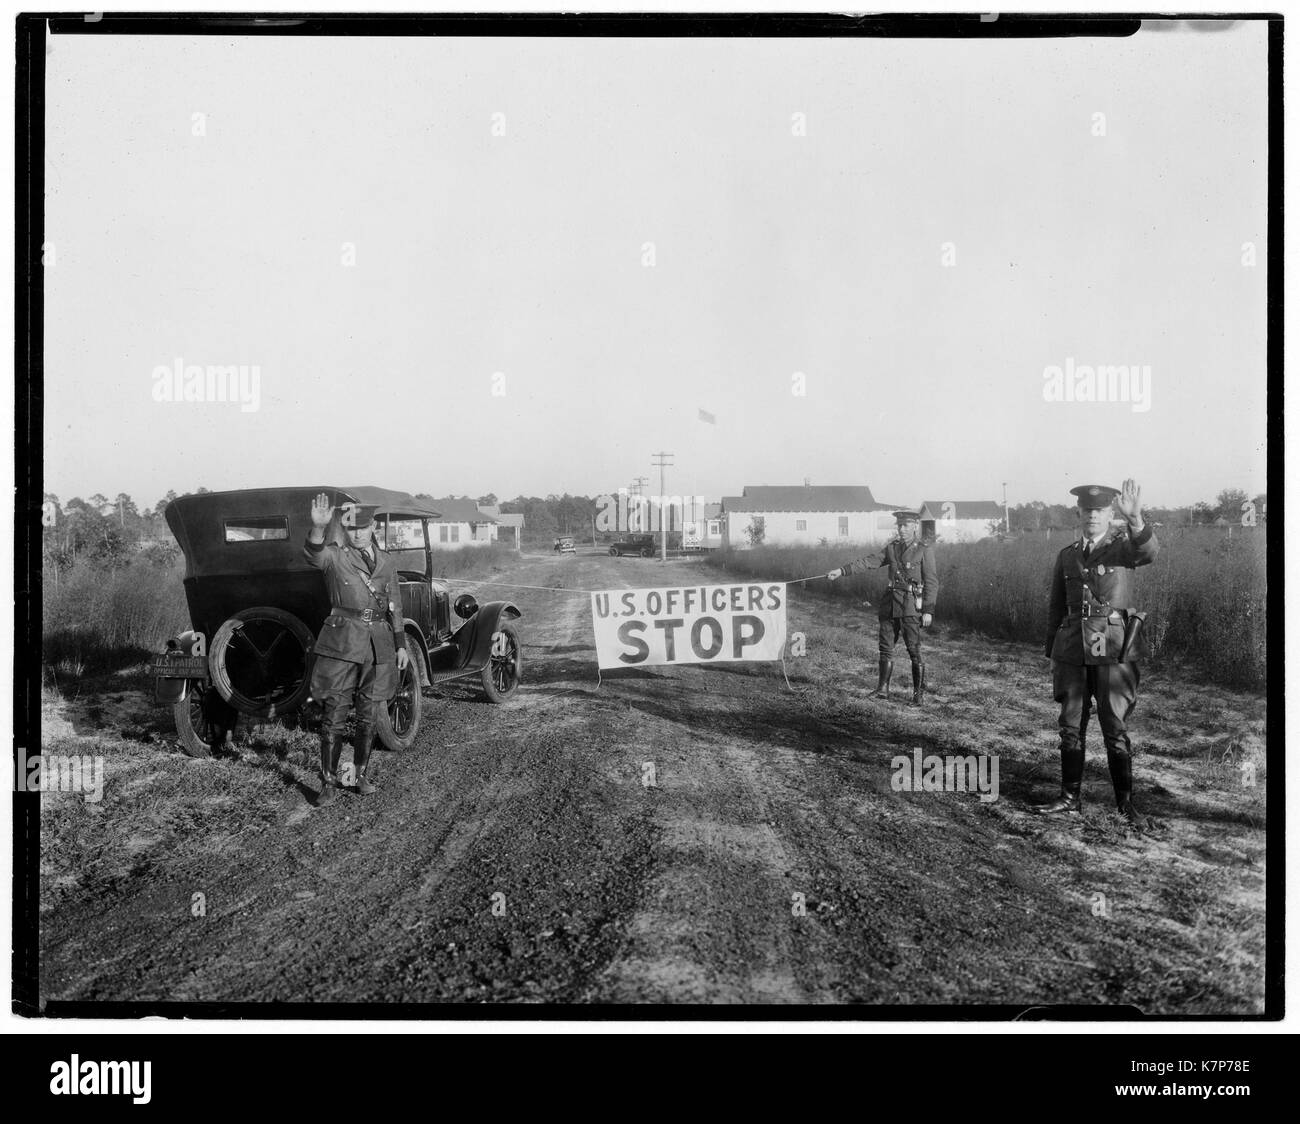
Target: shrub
(96,618)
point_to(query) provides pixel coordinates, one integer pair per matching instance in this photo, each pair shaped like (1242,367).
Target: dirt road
(516,855)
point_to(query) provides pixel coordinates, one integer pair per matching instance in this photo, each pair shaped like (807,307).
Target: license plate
(166,666)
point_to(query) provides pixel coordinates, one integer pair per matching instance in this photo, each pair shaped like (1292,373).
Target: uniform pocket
(1103,638)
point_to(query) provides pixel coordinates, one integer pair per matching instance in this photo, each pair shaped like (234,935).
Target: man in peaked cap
(908,604)
(362,646)
(1094,639)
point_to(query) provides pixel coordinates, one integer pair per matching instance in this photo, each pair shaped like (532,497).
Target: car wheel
(646,552)
(501,673)
(203,720)
(260,662)
(613,552)
(398,722)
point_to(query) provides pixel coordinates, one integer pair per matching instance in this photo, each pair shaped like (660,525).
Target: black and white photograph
(687,517)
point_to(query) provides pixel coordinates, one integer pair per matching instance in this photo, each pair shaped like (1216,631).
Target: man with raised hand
(1094,639)
(362,646)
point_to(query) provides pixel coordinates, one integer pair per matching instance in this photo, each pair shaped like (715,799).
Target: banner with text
(689,624)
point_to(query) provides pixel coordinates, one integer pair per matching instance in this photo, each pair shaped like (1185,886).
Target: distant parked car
(644,545)
(566,547)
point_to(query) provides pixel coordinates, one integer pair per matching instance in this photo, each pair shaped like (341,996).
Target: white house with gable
(960,520)
(807,515)
(460,524)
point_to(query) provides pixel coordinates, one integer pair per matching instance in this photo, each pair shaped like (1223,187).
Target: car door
(406,538)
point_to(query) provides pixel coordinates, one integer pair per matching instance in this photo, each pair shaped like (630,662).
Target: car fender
(474,638)
(413,634)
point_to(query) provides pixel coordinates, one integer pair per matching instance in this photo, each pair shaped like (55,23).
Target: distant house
(960,520)
(460,524)
(504,522)
(806,514)
(701,524)
(711,527)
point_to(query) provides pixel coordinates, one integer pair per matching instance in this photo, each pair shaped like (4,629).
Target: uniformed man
(361,647)
(1094,639)
(908,602)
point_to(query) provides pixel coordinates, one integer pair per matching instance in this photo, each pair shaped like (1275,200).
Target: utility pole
(662,462)
(638,489)
(1006,512)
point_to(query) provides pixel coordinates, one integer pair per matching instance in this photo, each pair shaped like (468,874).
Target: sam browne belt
(1087,611)
(359,614)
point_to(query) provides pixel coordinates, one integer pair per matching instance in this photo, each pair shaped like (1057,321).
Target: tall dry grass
(1206,593)
(473,561)
(95,618)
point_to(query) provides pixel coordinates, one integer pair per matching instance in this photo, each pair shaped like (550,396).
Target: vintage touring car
(256,607)
(642,545)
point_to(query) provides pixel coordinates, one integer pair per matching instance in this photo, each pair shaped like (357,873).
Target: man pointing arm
(909,601)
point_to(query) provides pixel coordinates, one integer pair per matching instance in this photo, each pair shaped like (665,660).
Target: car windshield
(404,539)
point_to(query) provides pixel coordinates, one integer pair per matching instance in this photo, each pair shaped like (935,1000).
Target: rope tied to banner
(584,592)
(520,585)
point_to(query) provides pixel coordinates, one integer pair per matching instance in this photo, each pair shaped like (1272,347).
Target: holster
(1132,635)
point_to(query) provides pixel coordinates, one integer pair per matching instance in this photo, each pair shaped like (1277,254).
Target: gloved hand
(926,620)
(835,575)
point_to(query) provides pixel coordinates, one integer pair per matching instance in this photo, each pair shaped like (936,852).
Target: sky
(526,266)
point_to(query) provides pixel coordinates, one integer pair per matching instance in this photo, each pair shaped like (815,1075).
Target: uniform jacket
(347,637)
(1103,582)
(909,566)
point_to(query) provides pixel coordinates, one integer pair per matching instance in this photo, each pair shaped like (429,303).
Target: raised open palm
(322,511)
(1130,500)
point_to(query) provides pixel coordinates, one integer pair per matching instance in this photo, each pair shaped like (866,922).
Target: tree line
(104,530)
(1231,505)
(544,516)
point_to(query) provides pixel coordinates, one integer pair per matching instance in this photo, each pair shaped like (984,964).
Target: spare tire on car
(260,661)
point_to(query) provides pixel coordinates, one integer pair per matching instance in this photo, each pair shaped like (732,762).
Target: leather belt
(358,614)
(1084,612)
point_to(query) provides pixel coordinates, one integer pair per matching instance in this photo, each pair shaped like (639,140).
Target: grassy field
(1206,593)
